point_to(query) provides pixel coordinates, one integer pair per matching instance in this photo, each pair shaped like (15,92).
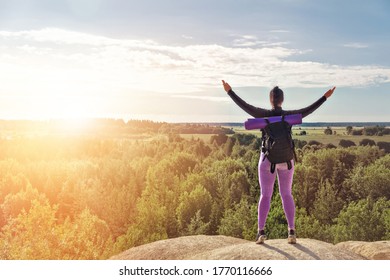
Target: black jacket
(262,113)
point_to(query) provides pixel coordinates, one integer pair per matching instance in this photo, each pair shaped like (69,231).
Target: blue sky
(164,60)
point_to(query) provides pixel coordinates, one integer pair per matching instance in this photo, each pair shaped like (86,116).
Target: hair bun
(276,96)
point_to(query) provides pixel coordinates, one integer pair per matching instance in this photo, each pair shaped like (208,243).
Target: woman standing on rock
(285,170)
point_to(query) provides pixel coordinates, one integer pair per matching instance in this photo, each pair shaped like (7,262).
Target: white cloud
(242,42)
(55,61)
(203,97)
(247,41)
(356,45)
(61,36)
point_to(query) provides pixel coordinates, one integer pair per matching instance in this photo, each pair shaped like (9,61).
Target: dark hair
(276,96)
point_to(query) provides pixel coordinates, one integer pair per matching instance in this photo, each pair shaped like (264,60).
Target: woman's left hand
(226,86)
(329,92)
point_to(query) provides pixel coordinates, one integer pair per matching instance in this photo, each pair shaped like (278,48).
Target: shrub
(328,131)
(330,146)
(346,143)
(384,146)
(299,143)
(314,142)
(367,142)
(357,132)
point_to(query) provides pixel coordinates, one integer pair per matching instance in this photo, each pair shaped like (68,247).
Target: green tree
(362,220)
(308,226)
(198,200)
(151,222)
(32,235)
(14,204)
(197,225)
(371,181)
(229,144)
(386,217)
(87,238)
(240,221)
(327,204)
(305,186)
(219,139)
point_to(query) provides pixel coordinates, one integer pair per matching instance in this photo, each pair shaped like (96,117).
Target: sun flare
(72,115)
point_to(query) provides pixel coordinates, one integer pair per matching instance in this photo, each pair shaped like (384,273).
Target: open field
(204,137)
(335,139)
(312,133)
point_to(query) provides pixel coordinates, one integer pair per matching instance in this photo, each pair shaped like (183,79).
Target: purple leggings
(267,181)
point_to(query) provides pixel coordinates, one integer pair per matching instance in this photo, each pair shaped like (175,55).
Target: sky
(164,60)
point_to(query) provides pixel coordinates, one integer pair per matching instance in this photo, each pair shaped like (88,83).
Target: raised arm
(250,109)
(310,109)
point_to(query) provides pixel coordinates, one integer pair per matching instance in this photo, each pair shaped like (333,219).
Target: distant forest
(319,124)
(117,126)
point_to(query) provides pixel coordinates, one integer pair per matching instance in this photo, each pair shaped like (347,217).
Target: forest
(115,127)
(90,197)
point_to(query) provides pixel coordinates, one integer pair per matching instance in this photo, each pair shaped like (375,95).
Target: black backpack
(278,145)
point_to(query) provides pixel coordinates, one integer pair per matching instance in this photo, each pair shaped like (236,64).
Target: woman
(284,171)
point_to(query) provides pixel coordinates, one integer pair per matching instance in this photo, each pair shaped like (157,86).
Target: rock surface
(378,250)
(201,247)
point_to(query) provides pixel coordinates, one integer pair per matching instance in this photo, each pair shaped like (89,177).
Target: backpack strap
(265,143)
(292,143)
(273,165)
(289,165)
(263,140)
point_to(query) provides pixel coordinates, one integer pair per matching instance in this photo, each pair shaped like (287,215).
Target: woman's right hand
(226,86)
(329,92)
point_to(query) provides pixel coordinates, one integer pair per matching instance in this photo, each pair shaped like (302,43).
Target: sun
(62,107)
(71,114)
(73,126)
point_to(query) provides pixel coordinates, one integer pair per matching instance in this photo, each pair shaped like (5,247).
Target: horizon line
(162,121)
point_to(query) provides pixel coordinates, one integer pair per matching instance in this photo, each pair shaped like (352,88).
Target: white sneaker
(292,238)
(261,237)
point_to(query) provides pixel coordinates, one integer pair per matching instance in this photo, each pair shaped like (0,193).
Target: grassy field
(335,139)
(204,137)
(340,133)
(312,133)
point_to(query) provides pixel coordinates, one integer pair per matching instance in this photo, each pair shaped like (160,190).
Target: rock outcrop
(379,250)
(201,247)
